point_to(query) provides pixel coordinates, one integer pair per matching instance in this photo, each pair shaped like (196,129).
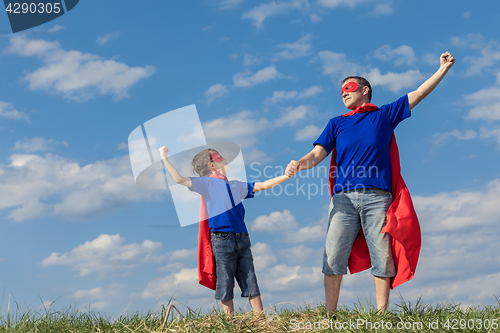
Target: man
(362,192)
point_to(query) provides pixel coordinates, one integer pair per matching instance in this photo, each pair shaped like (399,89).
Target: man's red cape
(402,224)
(207,275)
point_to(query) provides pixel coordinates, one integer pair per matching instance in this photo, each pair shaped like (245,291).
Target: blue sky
(265,75)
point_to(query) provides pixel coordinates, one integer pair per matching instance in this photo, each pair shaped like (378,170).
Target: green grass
(404,317)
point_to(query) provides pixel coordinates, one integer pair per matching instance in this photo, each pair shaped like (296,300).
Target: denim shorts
(350,211)
(233,259)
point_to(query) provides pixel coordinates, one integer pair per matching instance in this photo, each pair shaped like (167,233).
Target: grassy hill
(404,317)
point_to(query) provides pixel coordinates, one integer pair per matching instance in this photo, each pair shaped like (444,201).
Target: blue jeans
(350,211)
(233,259)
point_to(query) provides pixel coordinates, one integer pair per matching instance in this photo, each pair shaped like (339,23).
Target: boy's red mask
(350,87)
(216,157)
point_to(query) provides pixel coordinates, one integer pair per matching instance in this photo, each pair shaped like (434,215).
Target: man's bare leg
(382,289)
(228,307)
(256,304)
(332,289)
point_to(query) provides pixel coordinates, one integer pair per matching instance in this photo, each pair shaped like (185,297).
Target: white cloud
(76,75)
(259,13)
(307,133)
(249,60)
(478,289)
(292,95)
(112,291)
(56,28)
(37,144)
(241,128)
(384,8)
(337,3)
(123,146)
(403,54)
(315,231)
(31,209)
(336,65)
(75,192)
(215,91)
(98,305)
(185,281)
(472,40)
(489,52)
(298,254)
(311,233)
(299,49)
(283,278)
(460,209)
(107,253)
(491,133)
(7,111)
(256,155)
(467,14)
(431,59)
(228,4)
(248,79)
(276,221)
(234,56)
(443,138)
(107,38)
(293,115)
(310,92)
(263,256)
(488,58)
(459,247)
(489,112)
(280,96)
(315,18)
(394,82)
(486,104)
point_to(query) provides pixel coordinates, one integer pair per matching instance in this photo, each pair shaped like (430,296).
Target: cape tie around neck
(217,174)
(361,109)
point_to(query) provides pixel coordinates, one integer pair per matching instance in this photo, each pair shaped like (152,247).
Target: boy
(230,240)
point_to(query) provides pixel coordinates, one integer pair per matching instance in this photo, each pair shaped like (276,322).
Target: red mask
(216,157)
(350,87)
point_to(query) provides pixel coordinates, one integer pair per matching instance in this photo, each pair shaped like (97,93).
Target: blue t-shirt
(225,210)
(362,146)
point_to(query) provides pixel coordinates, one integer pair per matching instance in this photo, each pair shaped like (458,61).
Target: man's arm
(270,183)
(415,97)
(310,160)
(172,170)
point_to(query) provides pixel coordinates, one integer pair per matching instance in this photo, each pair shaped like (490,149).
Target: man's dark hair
(362,82)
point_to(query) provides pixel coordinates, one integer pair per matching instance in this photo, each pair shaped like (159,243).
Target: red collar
(361,109)
(217,174)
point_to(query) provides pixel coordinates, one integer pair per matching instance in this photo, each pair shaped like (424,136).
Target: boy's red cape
(207,275)
(402,223)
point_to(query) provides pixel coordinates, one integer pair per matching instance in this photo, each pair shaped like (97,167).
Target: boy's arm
(270,183)
(425,89)
(172,170)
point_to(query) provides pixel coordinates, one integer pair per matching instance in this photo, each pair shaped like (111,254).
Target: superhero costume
(401,221)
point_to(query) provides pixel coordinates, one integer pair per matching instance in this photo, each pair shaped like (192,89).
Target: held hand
(163,152)
(446,60)
(292,168)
